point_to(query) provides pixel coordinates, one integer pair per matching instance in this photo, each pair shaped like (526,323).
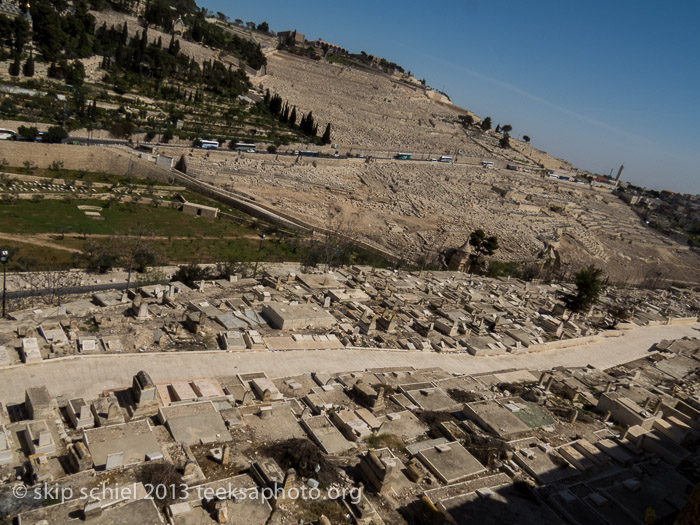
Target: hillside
(142,82)
(112,74)
(426,209)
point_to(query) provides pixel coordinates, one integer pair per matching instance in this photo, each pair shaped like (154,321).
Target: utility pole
(255,270)
(3,259)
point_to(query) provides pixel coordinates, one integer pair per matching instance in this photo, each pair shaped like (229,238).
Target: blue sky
(599,83)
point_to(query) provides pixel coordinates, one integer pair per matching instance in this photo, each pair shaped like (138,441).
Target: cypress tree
(124,38)
(309,126)
(14,68)
(174,46)
(327,134)
(143,44)
(28,69)
(276,105)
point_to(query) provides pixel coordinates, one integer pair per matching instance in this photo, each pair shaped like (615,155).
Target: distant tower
(619,174)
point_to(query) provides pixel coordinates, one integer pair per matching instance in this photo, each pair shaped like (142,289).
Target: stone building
(200,210)
(459,260)
(291,38)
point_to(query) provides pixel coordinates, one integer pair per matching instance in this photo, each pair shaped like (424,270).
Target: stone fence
(91,158)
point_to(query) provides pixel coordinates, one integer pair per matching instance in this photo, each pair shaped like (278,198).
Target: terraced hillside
(425,208)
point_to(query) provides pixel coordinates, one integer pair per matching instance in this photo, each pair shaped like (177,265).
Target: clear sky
(598,83)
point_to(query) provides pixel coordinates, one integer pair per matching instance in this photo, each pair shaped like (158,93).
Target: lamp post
(255,270)
(3,260)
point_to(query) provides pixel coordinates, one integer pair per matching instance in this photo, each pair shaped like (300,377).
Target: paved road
(88,376)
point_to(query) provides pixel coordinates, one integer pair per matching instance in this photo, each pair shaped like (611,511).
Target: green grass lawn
(242,249)
(25,256)
(184,238)
(50,216)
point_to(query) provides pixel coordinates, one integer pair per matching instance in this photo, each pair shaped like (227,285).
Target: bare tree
(9,198)
(53,284)
(617,313)
(136,252)
(332,247)
(61,231)
(83,231)
(653,277)
(132,250)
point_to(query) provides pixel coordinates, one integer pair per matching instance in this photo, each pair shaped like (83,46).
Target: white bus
(209,144)
(7,134)
(242,146)
(445,158)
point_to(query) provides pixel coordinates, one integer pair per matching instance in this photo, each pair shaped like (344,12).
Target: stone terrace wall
(90,158)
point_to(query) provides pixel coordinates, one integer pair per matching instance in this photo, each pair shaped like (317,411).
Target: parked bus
(242,146)
(403,156)
(445,158)
(7,134)
(308,153)
(209,144)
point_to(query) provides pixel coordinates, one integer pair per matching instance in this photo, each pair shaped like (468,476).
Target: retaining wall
(567,343)
(91,158)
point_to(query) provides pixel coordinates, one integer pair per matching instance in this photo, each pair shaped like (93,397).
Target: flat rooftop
(135,440)
(328,437)
(450,462)
(285,316)
(495,418)
(195,423)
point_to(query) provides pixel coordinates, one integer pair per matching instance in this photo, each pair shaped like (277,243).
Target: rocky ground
(427,208)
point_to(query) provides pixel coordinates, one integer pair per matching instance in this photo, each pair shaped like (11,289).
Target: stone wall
(91,158)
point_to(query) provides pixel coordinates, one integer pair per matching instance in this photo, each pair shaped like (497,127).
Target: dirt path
(37,241)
